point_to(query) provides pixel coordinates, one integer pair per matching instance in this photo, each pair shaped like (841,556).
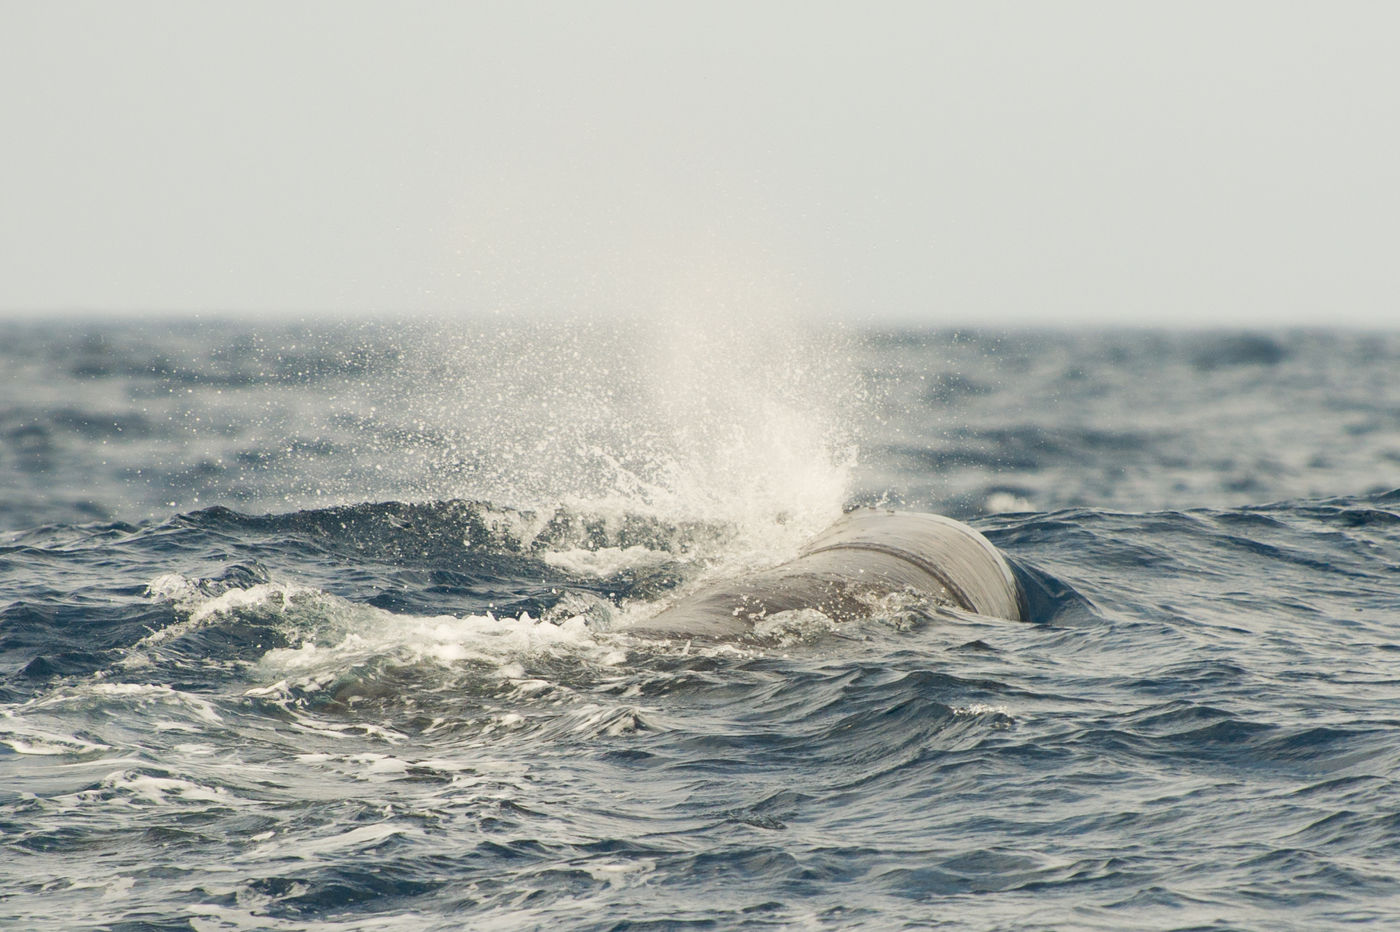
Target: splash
(688,417)
(712,408)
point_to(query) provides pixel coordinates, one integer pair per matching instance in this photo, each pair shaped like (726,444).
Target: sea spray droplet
(737,418)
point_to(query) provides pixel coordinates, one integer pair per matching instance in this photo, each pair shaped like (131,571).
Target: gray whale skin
(867,552)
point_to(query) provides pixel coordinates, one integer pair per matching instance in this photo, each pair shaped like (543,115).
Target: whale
(867,554)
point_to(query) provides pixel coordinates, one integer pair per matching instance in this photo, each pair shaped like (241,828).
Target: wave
(325,699)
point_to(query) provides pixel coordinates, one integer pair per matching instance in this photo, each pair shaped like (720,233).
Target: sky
(1232,163)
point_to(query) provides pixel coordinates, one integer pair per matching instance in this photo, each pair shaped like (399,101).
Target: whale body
(868,552)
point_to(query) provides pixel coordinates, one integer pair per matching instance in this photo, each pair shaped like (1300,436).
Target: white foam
(619,873)
(998,716)
(335,641)
(335,633)
(50,745)
(606,561)
(134,788)
(356,839)
(168,586)
(143,695)
(795,625)
(981,708)
(495,643)
(199,609)
(196,606)
(591,720)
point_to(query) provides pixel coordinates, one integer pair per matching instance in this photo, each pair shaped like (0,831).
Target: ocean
(323,625)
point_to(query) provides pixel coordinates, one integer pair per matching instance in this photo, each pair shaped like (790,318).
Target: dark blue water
(322,627)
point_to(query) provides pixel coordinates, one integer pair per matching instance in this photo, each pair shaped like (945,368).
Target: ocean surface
(323,626)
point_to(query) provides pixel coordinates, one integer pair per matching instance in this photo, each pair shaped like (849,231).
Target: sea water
(323,626)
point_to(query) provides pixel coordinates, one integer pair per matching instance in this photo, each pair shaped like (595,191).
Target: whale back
(869,552)
(957,557)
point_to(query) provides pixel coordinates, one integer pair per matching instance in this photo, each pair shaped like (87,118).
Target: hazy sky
(929,162)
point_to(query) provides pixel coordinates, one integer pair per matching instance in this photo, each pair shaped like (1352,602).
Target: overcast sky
(925,162)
